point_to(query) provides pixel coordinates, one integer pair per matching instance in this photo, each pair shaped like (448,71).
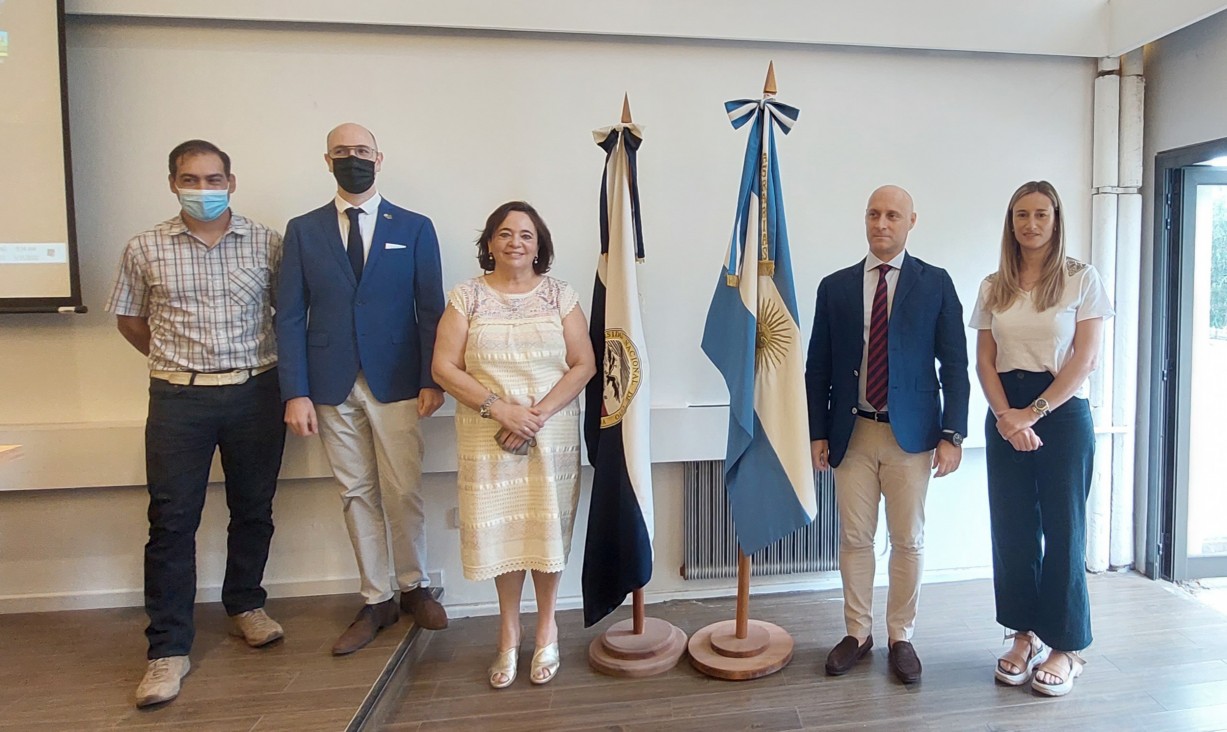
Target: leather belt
(875,416)
(197,378)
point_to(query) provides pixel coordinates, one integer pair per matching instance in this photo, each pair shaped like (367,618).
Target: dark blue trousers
(1037,508)
(186,424)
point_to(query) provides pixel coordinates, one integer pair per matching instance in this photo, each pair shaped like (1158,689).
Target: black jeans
(1037,508)
(186,424)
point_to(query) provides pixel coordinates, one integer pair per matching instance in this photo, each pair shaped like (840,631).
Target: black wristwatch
(954,438)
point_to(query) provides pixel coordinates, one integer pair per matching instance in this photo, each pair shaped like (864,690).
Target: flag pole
(743,649)
(642,646)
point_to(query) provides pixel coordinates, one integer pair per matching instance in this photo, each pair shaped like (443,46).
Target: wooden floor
(78,670)
(1159,662)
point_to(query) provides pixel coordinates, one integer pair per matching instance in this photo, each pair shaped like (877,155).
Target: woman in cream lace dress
(513,349)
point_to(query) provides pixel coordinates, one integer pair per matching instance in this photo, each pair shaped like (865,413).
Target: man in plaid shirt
(194,295)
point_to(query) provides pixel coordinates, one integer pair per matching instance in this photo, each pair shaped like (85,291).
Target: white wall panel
(467,121)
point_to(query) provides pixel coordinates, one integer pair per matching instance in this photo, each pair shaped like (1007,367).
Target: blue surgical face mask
(204,204)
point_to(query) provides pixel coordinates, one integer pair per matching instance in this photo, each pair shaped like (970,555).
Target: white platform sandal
(1066,683)
(1037,653)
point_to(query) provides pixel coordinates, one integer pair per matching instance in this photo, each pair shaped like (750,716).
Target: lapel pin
(387,216)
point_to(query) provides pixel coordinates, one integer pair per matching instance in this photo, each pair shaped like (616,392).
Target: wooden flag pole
(642,646)
(637,611)
(743,595)
(742,648)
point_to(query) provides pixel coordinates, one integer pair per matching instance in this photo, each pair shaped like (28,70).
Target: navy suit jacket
(926,327)
(330,326)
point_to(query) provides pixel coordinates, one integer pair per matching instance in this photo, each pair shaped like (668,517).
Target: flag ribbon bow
(759,175)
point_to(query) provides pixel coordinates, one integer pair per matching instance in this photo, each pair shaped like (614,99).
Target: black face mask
(354,174)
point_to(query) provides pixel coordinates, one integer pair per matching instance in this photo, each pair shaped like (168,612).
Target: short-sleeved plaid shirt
(209,309)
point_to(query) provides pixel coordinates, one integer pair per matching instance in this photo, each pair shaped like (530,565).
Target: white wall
(1186,103)
(467,121)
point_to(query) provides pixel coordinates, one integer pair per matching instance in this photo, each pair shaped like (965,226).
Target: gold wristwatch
(484,409)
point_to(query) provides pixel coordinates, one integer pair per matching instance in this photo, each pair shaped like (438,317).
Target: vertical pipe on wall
(1099,505)
(1105,171)
(1132,88)
(1105,178)
(1128,309)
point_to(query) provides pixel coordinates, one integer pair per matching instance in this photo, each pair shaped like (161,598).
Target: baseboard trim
(705,589)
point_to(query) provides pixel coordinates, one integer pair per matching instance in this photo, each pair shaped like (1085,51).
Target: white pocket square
(390,245)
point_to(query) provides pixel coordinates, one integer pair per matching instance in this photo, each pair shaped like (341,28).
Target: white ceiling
(1090,28)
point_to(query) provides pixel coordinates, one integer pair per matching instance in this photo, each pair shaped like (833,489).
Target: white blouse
(1043,341)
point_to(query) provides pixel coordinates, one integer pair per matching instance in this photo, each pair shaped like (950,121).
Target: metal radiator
(711,550)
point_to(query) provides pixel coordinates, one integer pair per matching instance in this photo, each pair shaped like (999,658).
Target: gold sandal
(545,659)
(504,663)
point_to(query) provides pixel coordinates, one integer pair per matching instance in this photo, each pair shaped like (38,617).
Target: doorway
(1187,525)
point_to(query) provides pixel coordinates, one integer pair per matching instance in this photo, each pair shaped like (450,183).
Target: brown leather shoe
(425,609)
(845,654)
(904,662)
(370,620)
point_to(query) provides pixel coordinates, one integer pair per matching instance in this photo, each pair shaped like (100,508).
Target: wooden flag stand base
(741,649)
(637,647)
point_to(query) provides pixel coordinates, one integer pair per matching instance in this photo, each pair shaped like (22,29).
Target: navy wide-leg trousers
(1037,507)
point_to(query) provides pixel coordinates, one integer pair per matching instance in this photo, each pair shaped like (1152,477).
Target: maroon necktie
(877,379)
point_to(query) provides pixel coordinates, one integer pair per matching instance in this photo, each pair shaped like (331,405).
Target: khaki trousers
(875,466)
(375,450)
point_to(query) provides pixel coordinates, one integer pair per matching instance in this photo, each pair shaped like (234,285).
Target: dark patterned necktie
(353,243)
(877,379)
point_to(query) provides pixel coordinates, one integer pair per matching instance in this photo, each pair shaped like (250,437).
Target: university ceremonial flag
(618,553)
(752,336)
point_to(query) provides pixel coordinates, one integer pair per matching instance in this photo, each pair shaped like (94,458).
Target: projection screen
(38,253)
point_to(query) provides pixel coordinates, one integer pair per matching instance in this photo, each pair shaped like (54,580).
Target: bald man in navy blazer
(359,299)
(883,415)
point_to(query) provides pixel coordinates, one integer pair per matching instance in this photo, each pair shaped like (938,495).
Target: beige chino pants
(875,467)
(375,450)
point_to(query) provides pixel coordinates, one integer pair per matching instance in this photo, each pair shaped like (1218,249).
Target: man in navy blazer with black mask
(882,418)
(359,299)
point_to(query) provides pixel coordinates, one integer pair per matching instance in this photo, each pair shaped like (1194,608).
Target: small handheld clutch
(504,433)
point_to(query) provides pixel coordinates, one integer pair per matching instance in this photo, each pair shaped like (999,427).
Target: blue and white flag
(618,549)
(752,335)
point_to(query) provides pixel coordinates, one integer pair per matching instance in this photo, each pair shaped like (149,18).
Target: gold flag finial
(626,109)
(769,87)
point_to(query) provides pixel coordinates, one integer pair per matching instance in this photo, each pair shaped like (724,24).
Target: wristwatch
(954,438)
(484,409)
(1040,407)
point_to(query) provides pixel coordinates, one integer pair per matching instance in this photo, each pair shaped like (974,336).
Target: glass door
(1199,526)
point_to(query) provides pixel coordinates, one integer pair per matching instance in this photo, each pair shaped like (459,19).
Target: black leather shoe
(904,662)
(845,654)
(370,620)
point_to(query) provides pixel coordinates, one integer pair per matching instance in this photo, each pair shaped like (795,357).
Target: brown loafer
(370,620)
(426,611)
(904,662)
(845,654)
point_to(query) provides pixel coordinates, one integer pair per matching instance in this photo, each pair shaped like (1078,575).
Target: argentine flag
(753,337)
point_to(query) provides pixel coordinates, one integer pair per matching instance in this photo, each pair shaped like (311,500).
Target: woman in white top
(1040,321)
(513,349)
